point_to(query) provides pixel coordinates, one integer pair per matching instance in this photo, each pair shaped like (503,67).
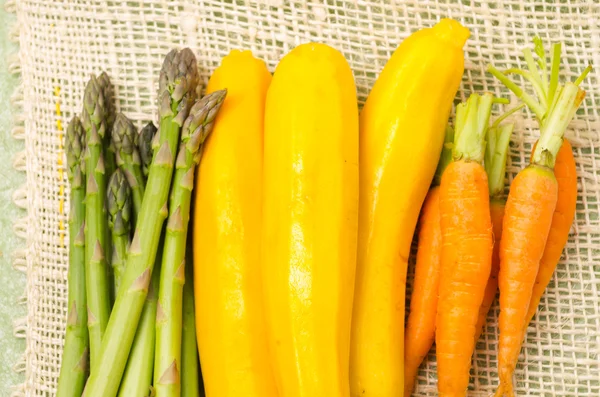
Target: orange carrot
(531,204)
(527,219)
(420,326)
(466,246)
(495,165)
(566,176)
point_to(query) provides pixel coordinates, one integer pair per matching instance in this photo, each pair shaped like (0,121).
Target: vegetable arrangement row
(303,216)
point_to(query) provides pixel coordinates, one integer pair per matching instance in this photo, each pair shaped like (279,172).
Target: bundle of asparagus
(130,324)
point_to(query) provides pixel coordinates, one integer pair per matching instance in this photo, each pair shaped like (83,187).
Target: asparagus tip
(178,84)
(118,202)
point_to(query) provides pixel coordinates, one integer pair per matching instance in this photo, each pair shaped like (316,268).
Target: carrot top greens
(496,151)
(472,118)
(556,103)
(471,125)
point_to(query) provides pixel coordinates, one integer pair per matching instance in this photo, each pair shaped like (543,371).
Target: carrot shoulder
(420,326)
(531,204)
(466,247)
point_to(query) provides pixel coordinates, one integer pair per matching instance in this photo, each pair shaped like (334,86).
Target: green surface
(12,281)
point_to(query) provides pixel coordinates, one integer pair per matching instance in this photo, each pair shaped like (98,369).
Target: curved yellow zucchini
(227,226)
(402,129)
(310,201)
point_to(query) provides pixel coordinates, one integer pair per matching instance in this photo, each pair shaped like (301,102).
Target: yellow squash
(310,202)
(227,226)
(402,129)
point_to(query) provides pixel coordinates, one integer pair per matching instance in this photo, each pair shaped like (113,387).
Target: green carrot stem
(525,97)
(532,67)
(554,72)
(495,157)
(537,85)
(554,126)
(538,47)
(507,114)
(469,141)
(583,75)
(556,107)
(459,119)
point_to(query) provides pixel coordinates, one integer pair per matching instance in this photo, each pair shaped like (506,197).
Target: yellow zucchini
(402,129)
(227,226)
(310,201)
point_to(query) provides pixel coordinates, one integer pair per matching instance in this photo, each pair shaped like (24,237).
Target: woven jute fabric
(62,42)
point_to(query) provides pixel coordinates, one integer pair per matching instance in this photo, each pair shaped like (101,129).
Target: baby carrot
(527,218)
(531,203)
(420,326)
(466,246)
(566,177)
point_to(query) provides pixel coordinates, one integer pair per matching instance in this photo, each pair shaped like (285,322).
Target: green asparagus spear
(96,228)
(190,366)
(137,379)
(167,364)
(118,201)
(177,92)
(145,146)
(128,158)
(74,365)
(108,91)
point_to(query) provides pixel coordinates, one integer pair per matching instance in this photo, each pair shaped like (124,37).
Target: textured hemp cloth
(62,42)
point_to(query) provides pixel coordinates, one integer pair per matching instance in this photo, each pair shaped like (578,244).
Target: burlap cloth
(62,42)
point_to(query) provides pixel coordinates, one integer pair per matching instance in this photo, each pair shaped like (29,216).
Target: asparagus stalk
(74,365)
(167,364)
(118,201)
(137,379)
(128,158)
(177,92)
(145,146)
(96,230)
(108,92)
(190,366)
